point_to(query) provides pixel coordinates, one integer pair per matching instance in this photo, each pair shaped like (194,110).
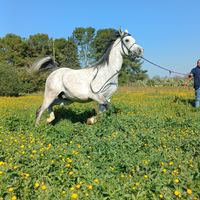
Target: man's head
(198,63)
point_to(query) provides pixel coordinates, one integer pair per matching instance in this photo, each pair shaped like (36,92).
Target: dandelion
(176,180)
(189,191)
(86,194)
(43,187)
(70,173)
(137,184)
(74,196)
(122,176)
(78,186)
(161,196)
(176,193)
(96,180)
(37,185)
(14,198)
(145,176)
(90,187)
(10,189)
(1,172)
(164,170)
(63,192)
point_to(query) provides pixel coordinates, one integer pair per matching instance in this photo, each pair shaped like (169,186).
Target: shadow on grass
(79,115)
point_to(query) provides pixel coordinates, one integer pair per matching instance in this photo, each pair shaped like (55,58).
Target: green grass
(145,147)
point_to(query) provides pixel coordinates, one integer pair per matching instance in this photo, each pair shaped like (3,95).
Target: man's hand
(190,75)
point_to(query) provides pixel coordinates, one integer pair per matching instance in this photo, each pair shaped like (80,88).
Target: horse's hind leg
(46,104)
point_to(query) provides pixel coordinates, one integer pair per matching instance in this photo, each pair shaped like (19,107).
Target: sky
(168,30)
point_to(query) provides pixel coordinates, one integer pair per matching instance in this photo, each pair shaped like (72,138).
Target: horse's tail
(42,65)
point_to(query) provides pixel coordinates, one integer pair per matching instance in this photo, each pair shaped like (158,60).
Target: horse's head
(129,46)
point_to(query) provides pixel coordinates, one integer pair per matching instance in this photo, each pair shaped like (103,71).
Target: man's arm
(188,80)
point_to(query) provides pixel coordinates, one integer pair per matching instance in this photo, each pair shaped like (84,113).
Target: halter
(130,53)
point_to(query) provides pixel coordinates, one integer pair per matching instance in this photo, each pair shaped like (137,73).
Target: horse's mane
(105,57)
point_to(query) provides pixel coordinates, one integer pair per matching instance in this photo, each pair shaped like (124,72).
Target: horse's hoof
(91,120)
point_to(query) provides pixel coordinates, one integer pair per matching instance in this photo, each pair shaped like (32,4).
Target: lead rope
(170,71)
(103,84)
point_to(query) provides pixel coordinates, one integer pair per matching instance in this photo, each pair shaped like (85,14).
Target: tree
(39,45)
(13,50)
(83,37)
(71,55)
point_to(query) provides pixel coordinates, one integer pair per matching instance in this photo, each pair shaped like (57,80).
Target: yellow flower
(37,185)
(145,176)
(133,188)
(90,187)
(176,193)
(137,184)
(71,188)
(96,180)
(10,189)
(43,187)
(164,170)
(78,186)
(14,198)
(74,196)
(176,180)
(1,172)
(122,176)
(33,151)
(63,192)
(161,196)
(70,173)
(86,194)
(189,191)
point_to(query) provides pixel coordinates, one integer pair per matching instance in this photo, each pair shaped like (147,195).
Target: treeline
(84,47)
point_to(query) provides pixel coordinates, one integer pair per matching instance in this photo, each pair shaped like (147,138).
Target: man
(195,72)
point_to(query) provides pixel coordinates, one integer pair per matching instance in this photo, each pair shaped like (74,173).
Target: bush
(32,82)
(9,81)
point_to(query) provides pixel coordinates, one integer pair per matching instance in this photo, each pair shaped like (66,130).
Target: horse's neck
(115,59)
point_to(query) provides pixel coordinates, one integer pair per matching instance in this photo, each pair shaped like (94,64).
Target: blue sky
(168,30)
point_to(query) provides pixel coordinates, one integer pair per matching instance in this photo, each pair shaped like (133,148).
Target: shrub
(9,81)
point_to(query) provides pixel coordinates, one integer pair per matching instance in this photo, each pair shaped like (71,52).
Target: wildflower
(33,151)
(133,188)
(1,172)
(137,184)
(70,173)
(96,180)
(176,193)
(74,196)
(71,188)
(86,194)
(122,176)
(37,185)
(10,189)
(14,198)
(90,187)
(164,170)
(189,191)
(176,180)
(145,176)
(63,192)
(161,196)
(78,186)
(43,187)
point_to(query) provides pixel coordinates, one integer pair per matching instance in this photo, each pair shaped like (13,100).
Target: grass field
(146,147)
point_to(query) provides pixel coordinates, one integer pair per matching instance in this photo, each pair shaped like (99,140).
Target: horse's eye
(126,40)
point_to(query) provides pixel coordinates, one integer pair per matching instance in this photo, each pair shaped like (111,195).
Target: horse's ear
(120,31)
(126,31)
